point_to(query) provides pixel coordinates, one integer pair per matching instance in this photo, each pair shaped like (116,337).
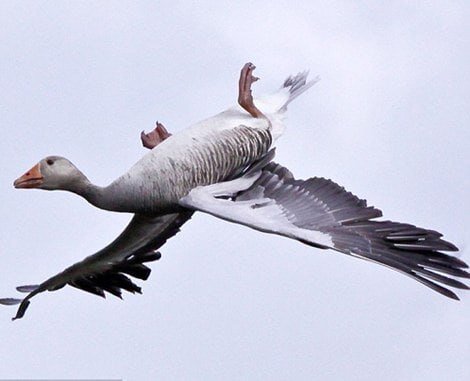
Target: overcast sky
(389,120)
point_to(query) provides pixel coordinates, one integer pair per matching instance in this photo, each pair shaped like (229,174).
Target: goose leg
(155,137)
(245,99)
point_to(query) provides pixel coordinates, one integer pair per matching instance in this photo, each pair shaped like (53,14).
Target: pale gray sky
(389,120)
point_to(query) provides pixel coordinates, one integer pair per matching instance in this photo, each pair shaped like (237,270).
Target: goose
(224,166)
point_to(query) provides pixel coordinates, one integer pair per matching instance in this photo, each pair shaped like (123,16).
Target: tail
(275,105)
(296,85)
(292,87)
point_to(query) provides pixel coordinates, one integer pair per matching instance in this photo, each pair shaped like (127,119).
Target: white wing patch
(263,214)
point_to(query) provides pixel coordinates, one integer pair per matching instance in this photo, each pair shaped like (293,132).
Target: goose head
(51,173)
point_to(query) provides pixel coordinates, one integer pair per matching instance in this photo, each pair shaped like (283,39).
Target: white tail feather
(275,105)
(293,86)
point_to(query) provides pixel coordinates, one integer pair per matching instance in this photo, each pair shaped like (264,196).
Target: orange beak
(31,179)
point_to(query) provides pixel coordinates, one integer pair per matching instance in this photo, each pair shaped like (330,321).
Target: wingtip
(21,310)
(454,297)
(27,288)
(10,301)
(448,246)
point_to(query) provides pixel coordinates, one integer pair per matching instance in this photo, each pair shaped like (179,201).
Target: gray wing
(322,214)
(108,269)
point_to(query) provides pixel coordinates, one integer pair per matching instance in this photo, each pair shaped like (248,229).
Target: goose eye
(50,161)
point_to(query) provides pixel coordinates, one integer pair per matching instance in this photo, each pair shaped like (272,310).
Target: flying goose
(223,166)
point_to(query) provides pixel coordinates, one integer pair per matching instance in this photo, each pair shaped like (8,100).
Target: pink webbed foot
(245,99)
(155,137)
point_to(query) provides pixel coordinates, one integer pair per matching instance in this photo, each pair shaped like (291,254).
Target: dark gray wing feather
(109,269)
(322,205)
